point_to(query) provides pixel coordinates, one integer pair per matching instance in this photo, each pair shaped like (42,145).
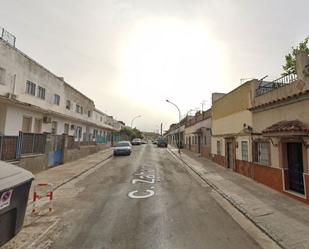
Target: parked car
(144,141)
(123,148)
(154,141)
(162,142)
(136,141)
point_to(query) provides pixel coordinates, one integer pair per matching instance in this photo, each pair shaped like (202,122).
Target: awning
(287,128)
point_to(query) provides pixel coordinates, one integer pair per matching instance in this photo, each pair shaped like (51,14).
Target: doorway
(295,167)
(199,144)
(230,155)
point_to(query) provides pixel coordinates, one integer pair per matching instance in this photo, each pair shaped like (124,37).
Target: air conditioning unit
(47,119)
(11,95)
(73,127)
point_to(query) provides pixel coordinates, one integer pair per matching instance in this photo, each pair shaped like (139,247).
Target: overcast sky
(129,56)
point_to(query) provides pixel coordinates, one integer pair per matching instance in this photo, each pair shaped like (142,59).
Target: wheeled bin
(15,184)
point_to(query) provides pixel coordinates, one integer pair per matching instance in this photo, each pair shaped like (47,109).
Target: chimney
(302,62)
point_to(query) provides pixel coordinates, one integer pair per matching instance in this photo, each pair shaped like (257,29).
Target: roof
(293,126)
(278,100)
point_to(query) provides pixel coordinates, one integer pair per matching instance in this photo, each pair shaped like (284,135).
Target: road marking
(144,175)
(133,196)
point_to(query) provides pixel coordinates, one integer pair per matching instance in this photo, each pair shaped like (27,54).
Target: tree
(127,133)
(290,58)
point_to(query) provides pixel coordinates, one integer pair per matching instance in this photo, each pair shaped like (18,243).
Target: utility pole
(161,129)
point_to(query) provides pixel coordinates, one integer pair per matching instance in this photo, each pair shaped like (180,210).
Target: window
(37,125)
(27,124)
(54,127)
(78,133)
(244,150)
(2,76)
(56,99)
(79,109)
(66,128)
(205,140)
(89,114)
(101,118)
(68,105)
(218,147)
(261,152)
(41,92)
(30,88)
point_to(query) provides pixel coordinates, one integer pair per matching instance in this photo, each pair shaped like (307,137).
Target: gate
(55,155)
(295,167)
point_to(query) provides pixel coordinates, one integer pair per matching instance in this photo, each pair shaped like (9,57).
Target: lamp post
(178,123)
(133,120)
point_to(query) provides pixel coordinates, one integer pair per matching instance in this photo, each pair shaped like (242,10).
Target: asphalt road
(146,200)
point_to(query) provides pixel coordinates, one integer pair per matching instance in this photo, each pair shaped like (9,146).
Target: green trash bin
(15,184)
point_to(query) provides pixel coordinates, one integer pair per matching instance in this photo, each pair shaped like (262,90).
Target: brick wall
(244,168)
(206,152)
(219,159)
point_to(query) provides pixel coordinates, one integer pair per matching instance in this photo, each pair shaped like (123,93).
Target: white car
(123,148)
(136,141)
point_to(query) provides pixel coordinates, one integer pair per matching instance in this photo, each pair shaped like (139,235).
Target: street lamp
(179,123)
(133,120)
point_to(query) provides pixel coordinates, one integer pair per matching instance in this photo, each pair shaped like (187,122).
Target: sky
(129,56)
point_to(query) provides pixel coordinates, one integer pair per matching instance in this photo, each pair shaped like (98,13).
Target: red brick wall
(205,151)
(244,168)
(271,177)
(219,159)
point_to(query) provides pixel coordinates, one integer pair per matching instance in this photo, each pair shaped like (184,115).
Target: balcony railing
(266,86)
(7,36)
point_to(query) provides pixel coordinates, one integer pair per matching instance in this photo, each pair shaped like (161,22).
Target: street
(113,210)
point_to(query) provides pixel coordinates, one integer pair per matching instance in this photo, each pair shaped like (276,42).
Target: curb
(76,176)
(226,197)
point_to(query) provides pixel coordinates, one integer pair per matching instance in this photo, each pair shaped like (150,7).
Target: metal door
(56,154)
(295,167)
(230,155)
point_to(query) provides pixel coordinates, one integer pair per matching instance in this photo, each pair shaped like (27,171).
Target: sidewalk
(285,220)
(59,175)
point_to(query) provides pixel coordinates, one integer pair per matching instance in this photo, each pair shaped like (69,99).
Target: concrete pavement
(283,219)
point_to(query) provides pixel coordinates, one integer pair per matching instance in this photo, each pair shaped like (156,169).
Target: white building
(32,99)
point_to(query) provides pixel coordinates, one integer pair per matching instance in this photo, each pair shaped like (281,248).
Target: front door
(199,143)
(190,143)
(295,167)
(230,155)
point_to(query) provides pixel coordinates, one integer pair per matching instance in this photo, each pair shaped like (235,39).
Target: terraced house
(34,102)
(261,130)
(280,115)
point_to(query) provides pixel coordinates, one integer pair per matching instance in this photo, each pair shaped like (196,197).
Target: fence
(8,37)
(8,148)
(101,139)
(265,87)
(32,143)
(12,147)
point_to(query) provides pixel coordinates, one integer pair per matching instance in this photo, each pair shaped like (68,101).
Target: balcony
(268,86)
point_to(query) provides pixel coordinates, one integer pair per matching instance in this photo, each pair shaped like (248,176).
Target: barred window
(244,150)
(261,152)
(41,92)
(30,88)
(218,147)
